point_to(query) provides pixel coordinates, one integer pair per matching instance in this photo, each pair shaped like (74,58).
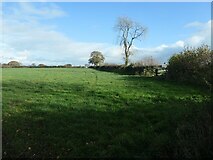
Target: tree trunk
(126,58)
(126,62)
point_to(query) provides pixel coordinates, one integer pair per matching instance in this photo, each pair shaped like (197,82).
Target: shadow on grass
(160,82)
(87,124)
(86,133)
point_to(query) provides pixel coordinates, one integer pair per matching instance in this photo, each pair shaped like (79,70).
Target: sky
(66,32)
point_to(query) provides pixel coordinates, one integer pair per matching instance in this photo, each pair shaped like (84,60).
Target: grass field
(64,113)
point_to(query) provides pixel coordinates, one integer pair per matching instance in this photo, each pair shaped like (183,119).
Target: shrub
(193,65)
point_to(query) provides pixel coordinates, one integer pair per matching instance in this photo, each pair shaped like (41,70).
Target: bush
(132,69)
(193,65)
(128,70)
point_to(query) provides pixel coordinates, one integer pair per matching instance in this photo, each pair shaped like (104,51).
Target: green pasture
(80,112)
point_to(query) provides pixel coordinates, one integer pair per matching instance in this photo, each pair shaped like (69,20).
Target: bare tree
(128,32)
(147,61)
(150,61)
(33,65)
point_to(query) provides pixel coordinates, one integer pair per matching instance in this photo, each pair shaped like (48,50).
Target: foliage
(42,65)
(128,32)
(193,65)
(133,69)
(127,70)
(75,112)
(68,65)
(14,64)
(96,58)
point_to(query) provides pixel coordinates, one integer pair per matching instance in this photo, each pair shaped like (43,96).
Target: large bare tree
(128,32)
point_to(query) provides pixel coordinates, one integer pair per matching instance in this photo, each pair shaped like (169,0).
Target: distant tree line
(148,66)
(132,69)
(16,64)
(11,64)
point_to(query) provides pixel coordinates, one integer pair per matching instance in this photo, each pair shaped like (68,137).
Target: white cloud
(52,11)
(33,11)
(179,44)
(160,53)
(32,42)
(193,24)
(196,39)
(163,52)
(202,36)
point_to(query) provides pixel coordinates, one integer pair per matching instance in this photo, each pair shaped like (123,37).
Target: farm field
(79,112)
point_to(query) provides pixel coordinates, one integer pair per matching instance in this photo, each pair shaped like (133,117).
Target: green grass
(66,113)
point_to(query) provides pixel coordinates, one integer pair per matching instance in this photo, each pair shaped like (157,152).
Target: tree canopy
(14,64)
(96,58)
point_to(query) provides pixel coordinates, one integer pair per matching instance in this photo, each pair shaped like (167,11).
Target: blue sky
(59,33)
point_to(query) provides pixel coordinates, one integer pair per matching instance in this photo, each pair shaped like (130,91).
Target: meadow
(80,112)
